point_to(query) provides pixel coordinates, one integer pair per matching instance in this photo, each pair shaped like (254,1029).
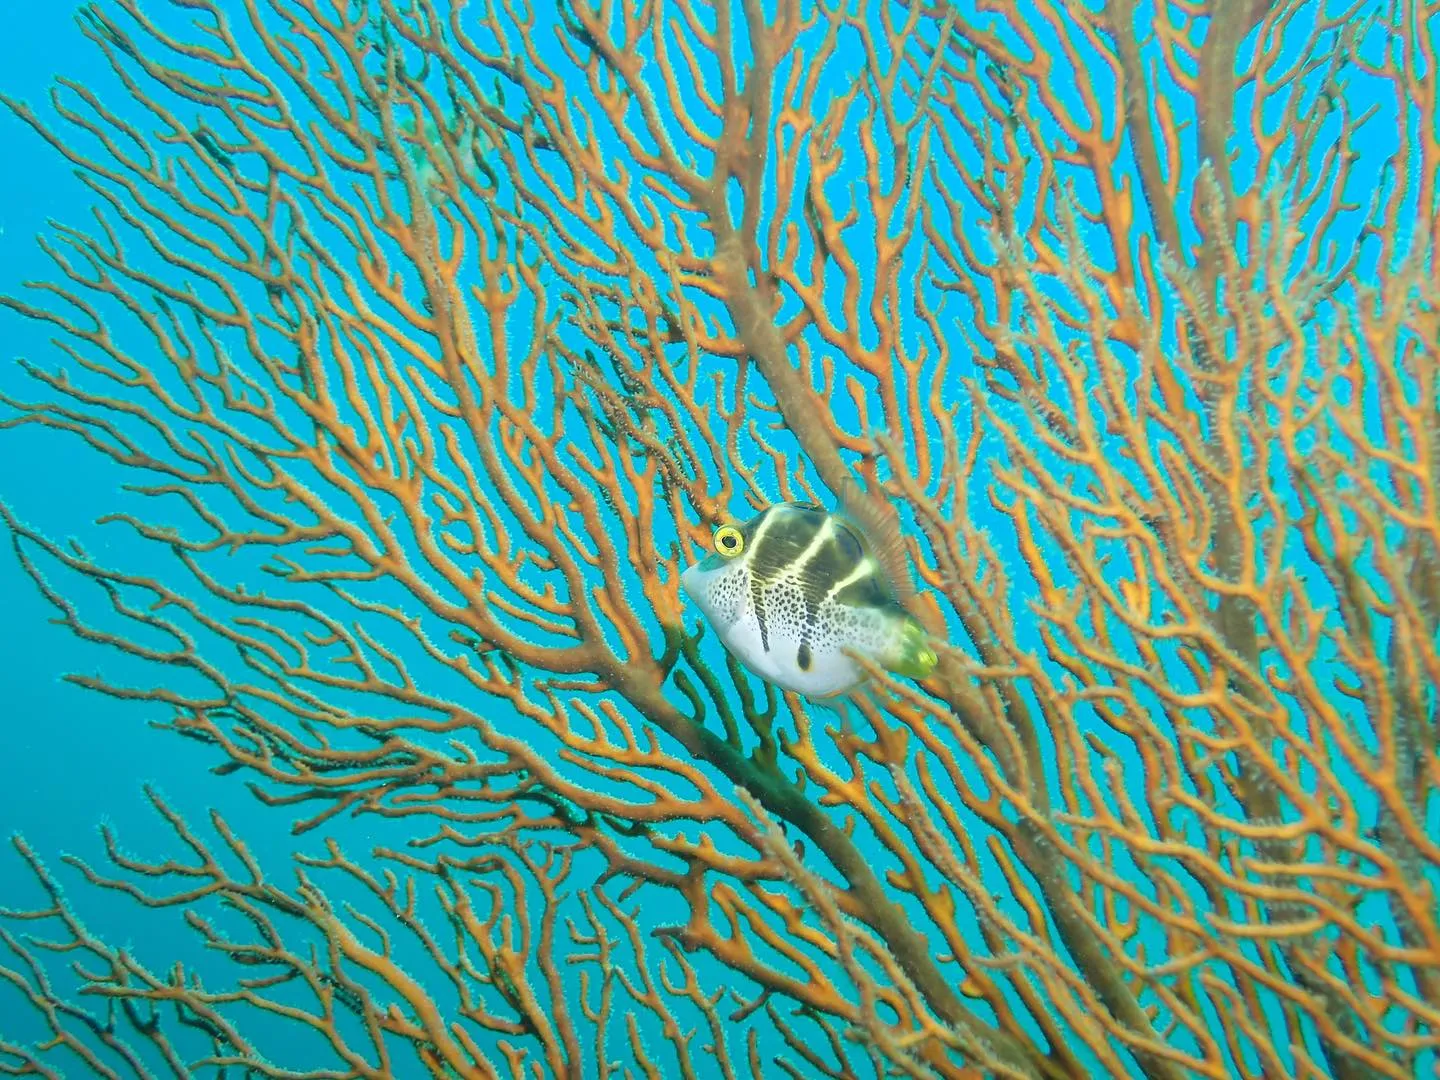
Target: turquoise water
(78,758)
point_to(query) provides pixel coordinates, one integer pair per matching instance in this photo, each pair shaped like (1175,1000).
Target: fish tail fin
(914,655)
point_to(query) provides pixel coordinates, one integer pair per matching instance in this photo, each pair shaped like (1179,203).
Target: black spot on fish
(757,603)
(803,656)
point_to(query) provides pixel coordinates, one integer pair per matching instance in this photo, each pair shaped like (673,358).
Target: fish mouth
(689,580)
(696,585)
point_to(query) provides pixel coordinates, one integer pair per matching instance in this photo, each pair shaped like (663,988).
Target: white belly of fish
(777,654)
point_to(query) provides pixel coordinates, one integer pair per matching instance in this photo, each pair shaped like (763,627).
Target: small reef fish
(794,588)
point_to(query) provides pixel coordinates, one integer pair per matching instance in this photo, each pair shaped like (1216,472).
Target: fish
(794,590)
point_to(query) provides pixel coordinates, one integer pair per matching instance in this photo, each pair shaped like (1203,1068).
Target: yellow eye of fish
(728,541)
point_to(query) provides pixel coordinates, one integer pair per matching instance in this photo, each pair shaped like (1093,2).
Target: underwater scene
(756,538)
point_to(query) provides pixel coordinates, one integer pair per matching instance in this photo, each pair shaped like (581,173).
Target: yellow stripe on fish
(795,587)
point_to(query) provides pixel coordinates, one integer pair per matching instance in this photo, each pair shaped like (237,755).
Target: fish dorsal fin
(882,536)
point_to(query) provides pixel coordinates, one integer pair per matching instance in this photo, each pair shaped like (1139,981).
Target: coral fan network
(414,351)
